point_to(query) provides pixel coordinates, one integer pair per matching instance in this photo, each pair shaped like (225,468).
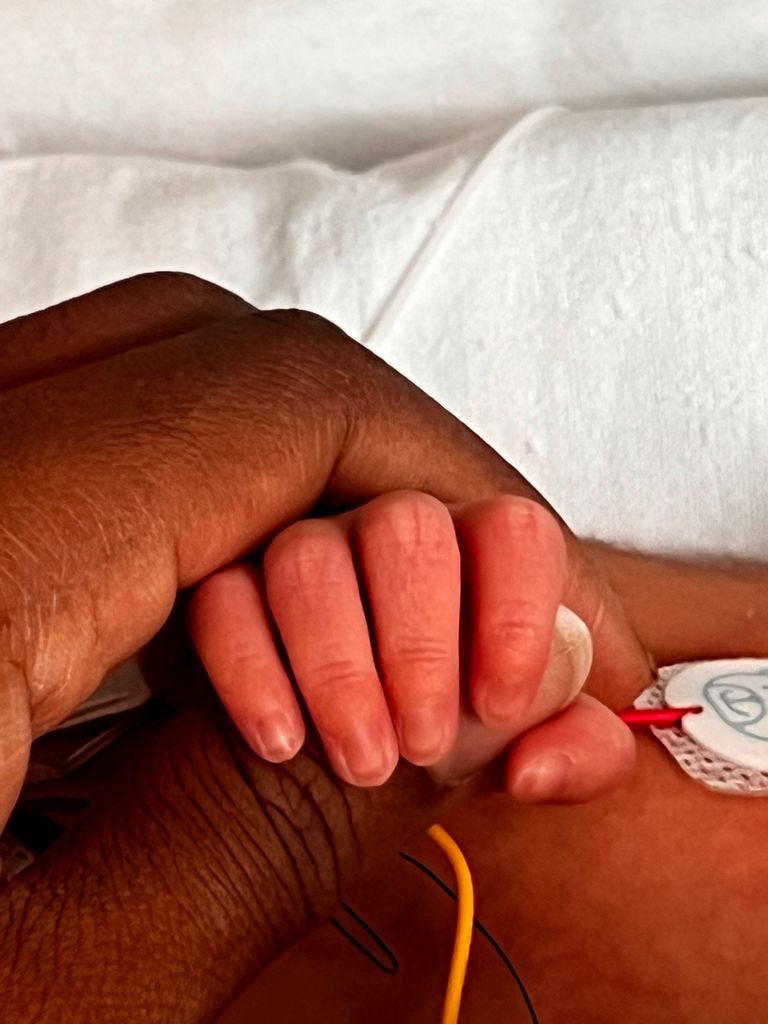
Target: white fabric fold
(263,81)
(585,290)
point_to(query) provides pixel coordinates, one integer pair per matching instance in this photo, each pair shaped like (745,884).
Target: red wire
(662,718)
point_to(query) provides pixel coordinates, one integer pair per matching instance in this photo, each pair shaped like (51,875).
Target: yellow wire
(465,916)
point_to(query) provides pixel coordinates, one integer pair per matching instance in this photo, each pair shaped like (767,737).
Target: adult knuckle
(244,665)
(302,324)
(308,320)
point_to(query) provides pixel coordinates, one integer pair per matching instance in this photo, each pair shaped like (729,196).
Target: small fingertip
(547,777)
(366,756)
(274,736)
(554,777)
(426,734)
(499,703)
(525,700)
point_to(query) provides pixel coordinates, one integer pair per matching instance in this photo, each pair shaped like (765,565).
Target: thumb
(568,666)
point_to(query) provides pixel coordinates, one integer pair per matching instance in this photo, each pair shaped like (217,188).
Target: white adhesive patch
(733,696)
(725,746)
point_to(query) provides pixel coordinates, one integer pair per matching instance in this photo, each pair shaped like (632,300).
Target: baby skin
(412,628)
(606,909)
(203,861)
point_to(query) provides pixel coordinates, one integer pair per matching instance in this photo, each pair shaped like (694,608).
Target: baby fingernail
(546,778)
(503,702)
(276,737)
(423,733)
(366,757)
(570,656)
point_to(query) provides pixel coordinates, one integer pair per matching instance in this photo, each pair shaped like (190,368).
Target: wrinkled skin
(461,606)
(155,430)
(143,452)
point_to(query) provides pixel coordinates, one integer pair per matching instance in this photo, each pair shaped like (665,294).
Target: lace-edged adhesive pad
(725,747)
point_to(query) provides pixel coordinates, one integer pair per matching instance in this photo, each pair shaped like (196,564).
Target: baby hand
(379,614)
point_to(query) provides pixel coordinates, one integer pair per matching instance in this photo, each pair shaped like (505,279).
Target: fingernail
(570,659)
(503,702)
(366,756)
(276,737)
(570,655)
(546,778)
(423,734)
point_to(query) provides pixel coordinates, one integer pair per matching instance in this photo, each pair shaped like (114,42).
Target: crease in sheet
(426,254)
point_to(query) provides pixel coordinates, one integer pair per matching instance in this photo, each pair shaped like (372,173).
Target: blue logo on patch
(739,699)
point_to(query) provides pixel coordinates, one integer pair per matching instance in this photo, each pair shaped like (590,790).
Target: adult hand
(158,429)
(202,861)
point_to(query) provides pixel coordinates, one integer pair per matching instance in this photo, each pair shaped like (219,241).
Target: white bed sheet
(586,290)
(349,82)
(589,297)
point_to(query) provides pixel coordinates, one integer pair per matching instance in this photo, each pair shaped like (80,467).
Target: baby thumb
(570,659)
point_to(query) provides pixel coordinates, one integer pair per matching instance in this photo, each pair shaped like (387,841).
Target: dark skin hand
(147,442)
(153,432)
(202,863)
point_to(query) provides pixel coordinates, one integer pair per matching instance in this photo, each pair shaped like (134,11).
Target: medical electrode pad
(725,746)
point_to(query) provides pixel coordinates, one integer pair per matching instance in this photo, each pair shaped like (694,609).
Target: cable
(494,943)
(465,916)
(392,967)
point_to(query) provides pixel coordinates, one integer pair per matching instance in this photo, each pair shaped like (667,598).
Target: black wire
(395,966)
(483,931)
